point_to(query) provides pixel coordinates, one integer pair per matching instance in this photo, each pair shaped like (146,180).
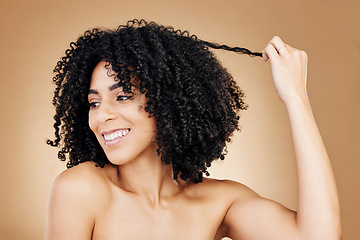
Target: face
(118,119)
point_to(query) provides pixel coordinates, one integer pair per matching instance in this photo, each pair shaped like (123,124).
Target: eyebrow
(111,88)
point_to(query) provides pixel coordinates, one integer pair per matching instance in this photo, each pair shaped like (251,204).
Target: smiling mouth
(115,136)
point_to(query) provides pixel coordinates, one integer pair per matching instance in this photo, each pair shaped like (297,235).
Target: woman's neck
(149,178)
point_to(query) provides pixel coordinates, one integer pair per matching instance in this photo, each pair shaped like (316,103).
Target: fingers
(270,53)
(288,67)
(279,45)
(275,48)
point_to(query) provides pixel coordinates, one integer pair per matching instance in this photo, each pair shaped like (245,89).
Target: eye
(94,104)
(124,96)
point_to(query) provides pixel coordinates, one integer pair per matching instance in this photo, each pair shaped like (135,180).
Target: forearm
(318,214)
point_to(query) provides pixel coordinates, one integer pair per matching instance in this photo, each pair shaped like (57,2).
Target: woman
(142,111)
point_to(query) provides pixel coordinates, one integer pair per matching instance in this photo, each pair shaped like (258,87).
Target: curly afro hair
(194,100)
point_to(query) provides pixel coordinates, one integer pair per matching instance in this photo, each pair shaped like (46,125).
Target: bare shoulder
(248,212)
(87,170)
(78,194)
(84,179)
(220,196)
(228,189)
(85,184)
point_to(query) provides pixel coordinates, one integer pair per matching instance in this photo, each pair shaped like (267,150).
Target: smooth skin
(138,199)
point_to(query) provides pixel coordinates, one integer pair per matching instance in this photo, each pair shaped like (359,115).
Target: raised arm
(318,215)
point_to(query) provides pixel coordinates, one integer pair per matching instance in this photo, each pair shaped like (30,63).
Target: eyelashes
(121,97)
(124,96)
(94,104)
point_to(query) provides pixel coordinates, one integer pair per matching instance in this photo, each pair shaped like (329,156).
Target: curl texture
(194,100)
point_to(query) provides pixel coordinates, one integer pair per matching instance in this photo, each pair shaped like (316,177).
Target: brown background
(35,34)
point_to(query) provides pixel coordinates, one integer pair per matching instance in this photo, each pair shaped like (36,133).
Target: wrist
(297,101)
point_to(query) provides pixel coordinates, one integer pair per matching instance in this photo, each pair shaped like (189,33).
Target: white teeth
(117,134)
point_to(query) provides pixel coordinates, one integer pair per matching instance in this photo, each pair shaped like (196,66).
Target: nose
(106,112)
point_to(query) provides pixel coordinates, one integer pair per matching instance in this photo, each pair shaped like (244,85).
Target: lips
(112,137)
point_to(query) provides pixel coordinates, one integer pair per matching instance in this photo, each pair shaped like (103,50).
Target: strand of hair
(233,49)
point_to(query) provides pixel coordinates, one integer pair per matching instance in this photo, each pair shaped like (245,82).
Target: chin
(116,160)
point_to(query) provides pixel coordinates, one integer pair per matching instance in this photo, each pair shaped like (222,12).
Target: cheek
(91,122)
(149,127)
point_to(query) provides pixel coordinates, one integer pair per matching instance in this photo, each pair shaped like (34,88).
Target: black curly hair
(194,100)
